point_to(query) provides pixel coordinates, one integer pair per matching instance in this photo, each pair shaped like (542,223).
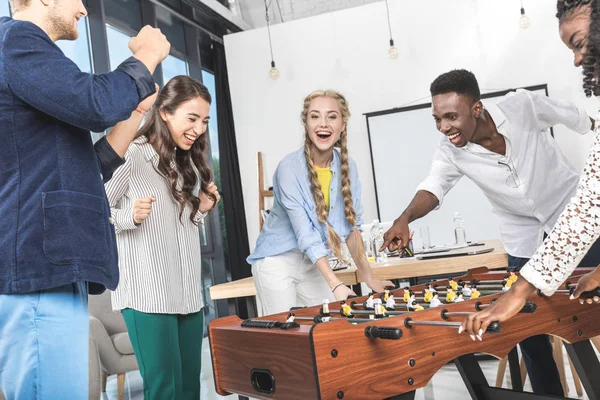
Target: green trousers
(168,351)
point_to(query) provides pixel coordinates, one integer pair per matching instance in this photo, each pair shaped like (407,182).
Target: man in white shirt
(507,150)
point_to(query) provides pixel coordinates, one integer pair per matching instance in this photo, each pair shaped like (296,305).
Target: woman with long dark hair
(158,198)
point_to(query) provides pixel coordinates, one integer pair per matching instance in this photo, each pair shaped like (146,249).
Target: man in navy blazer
(57,239)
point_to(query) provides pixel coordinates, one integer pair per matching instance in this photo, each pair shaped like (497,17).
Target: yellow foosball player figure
(474,292)
(406,296)
(450,295)
(346,309)
(428,295)
(416,306)
(453,284)
(512,277)
(386,294)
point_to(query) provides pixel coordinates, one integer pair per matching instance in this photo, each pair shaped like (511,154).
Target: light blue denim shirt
(293,222)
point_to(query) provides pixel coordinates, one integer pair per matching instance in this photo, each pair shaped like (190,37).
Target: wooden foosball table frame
(389,358)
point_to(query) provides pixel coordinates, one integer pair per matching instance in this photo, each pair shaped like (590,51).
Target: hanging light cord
(268,28)
(388,18)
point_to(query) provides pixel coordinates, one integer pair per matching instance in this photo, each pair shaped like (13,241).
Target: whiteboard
(402,142)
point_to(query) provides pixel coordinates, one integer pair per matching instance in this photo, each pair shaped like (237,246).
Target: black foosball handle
(587,295)
(494,327)
(383,332)
(528,308)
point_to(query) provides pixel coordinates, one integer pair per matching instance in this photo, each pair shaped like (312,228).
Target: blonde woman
(316,205)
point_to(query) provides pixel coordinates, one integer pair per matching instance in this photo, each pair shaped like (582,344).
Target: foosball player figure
(512,276)
(427,295)
(386,294)
(370,302)
(459,297)
(416,306)
(466,291)
(406,294)
(346,310)
(390,304)
(450,295)
(326,312)
(505,285)
(475,293)
(379,310)
(289,322)
(453,284)
(435,301)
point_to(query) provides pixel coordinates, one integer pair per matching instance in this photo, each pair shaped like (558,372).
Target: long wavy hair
(180,167)
(566,9)
(333,240)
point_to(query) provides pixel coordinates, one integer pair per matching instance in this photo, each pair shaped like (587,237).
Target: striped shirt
(159,260)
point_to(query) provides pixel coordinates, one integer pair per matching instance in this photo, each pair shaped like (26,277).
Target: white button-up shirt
(544,178)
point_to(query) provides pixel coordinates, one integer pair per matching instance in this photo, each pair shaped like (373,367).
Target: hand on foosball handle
(342,292)
(507,305)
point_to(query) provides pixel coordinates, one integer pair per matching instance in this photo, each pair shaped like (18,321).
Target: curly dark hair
(460,81)
(183,175)
(566,9)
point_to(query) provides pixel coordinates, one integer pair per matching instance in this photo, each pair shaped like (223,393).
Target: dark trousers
(537,351)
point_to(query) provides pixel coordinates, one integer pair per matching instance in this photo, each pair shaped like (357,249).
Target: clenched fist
(142,208)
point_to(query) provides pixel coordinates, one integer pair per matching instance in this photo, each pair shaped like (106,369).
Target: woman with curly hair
(158,198)
(578,227)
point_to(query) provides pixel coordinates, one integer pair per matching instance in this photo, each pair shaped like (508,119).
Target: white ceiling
(253,11)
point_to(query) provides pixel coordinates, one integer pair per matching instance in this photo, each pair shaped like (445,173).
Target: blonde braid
(347,193)
(333,240)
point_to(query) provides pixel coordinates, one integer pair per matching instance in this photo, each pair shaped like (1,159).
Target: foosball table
(387,345)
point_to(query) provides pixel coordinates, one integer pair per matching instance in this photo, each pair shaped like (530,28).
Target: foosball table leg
(586,363)
(472,375)
(515,371)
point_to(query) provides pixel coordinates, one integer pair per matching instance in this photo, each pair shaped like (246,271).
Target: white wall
(347,51)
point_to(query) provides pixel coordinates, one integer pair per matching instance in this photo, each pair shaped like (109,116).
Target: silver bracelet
(336,286)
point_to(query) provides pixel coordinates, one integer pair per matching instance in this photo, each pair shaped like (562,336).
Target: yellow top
(324,175)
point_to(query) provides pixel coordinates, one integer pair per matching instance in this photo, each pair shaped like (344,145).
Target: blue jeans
(44,344)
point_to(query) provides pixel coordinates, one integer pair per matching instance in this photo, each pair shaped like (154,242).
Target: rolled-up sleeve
(287,189)
(108,159)
(442,177)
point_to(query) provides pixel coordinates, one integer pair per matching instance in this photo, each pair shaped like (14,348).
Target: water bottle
(377,239)
(459,230)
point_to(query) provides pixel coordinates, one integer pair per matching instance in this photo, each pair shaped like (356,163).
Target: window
(118,46)
(124,13)
(172,28)
(78,50)
(173,66)
(4,9)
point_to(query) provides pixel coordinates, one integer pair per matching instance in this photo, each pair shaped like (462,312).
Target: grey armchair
(108,331)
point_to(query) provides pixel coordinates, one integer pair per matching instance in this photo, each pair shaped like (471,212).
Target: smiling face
(62,18)
(456,116)
(188,122)
(324,123)
(574,31)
